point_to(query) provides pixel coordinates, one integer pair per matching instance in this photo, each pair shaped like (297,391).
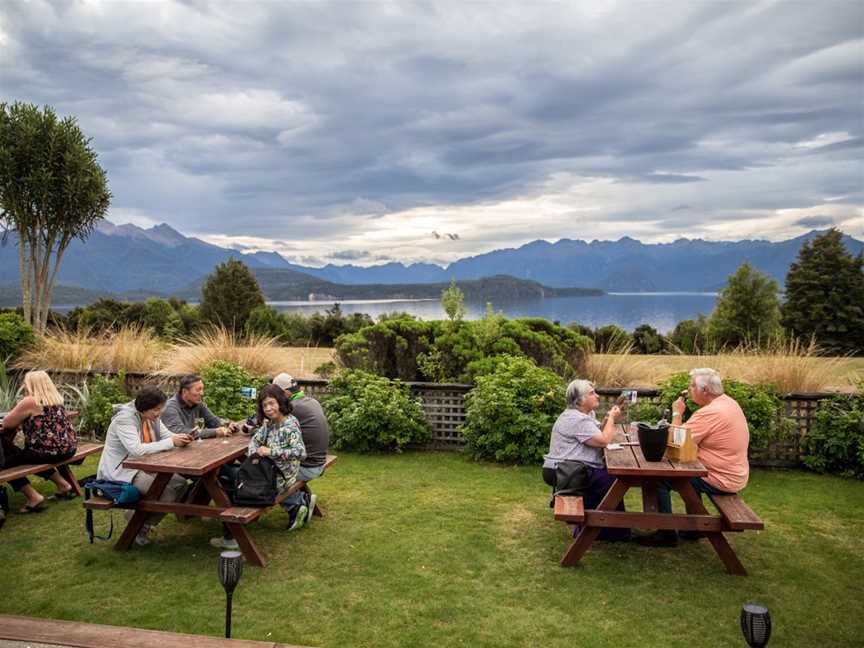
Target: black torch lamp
(230,570)
(755,624)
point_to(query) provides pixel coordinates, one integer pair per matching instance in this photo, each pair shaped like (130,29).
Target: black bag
(572,478)
(256,482)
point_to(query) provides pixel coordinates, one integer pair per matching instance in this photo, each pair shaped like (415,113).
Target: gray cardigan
(123,441)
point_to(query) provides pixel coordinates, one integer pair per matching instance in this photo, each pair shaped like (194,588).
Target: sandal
(36,508)
(67,495)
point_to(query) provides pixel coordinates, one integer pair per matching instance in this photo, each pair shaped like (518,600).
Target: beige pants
(173,491)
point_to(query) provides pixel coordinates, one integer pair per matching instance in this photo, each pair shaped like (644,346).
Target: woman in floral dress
(48,437)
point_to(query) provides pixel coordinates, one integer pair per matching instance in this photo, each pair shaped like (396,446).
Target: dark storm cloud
(247,119)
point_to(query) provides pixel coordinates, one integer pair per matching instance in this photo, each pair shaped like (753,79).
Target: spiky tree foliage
(52,190)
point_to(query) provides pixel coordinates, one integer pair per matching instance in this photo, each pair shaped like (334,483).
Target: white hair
(577,390)
(707,379)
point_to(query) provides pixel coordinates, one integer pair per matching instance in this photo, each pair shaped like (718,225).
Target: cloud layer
(357,131)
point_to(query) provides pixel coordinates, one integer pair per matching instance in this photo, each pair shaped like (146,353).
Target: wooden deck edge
(92,635)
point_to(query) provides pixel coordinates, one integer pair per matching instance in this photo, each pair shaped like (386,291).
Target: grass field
(430,549)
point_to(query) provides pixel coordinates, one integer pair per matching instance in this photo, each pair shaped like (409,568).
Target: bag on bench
(256,482)
(120,493)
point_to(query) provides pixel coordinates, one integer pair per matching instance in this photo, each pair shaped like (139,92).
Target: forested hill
(290,285)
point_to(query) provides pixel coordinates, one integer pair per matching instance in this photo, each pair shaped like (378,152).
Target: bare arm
(25,408)
(607,433)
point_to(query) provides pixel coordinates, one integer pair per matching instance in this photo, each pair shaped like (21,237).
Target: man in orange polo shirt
(720,432)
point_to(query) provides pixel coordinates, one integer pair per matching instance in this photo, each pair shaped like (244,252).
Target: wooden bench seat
(231,515)
(569,508)
(98,503)
(242,514)
(83,451)
(736,514)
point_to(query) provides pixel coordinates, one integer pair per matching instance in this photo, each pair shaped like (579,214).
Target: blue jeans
(664,498)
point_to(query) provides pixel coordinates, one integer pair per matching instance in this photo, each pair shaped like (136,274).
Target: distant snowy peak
(162,234)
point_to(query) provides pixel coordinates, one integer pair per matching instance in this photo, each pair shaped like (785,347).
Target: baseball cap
(285,381)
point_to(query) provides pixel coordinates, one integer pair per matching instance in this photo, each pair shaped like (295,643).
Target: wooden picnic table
(631,469)
(198,459)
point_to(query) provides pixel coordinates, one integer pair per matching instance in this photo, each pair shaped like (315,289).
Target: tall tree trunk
(49,288)
(24,256)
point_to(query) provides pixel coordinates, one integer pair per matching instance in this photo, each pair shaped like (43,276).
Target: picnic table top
(628,460)
(198,458)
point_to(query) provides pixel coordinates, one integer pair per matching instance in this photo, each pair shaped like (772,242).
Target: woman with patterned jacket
(279,438)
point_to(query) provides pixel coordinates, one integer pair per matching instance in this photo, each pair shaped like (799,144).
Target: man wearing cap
(316,438)
(187,405)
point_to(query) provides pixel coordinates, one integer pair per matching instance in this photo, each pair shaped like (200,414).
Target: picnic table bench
(84,450)
(631,469)
(199,459)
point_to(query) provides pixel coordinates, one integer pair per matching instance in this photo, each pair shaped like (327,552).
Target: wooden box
(680,446)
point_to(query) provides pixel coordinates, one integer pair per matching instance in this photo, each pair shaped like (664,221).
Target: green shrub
(160,317)
(761,404)
(222,383)
(96,401)
(511,411)
(835,443)
(16,335)
(457,351)
(369,413)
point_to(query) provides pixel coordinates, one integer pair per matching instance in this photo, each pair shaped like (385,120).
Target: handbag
(121,493)
(256,482)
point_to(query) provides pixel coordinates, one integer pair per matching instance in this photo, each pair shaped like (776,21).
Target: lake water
(628,310)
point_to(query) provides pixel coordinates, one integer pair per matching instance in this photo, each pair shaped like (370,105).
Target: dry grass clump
(132,349)
(259,354)
(622,369)
(789,366)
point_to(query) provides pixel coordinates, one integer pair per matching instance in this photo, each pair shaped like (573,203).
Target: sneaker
(313,498)
(143,537)
(299,519)
(224,543)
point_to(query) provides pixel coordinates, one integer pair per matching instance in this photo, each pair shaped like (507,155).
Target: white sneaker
(299,519)
(313,498)
(224,543)
(143,537)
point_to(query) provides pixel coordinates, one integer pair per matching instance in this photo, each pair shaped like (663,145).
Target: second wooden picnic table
(198,459)
(630,468)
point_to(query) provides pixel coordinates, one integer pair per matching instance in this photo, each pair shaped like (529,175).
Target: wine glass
(199,427)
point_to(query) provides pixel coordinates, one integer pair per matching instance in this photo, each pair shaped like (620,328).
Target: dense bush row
(448,351)
(835,443)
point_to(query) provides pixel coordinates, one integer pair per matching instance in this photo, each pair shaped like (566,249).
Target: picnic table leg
(724,550)
(138,519)
(253,555)
(649,496)
(66,473)
(588,533)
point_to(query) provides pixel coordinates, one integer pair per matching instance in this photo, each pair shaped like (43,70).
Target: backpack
(121,493)
(256,482)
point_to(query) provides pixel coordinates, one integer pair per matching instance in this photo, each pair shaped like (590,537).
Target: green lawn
(429,549)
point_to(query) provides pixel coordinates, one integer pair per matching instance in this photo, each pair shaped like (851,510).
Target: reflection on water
(628,310)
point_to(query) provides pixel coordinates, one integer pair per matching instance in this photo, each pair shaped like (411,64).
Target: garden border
(444,407)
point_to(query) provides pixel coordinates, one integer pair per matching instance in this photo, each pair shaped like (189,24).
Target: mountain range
(124,258)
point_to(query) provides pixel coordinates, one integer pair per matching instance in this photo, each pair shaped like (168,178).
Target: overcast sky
(430,131)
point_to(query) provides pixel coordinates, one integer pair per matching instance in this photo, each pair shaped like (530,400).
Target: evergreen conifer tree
(825,295)
(747,310)
(229,295)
